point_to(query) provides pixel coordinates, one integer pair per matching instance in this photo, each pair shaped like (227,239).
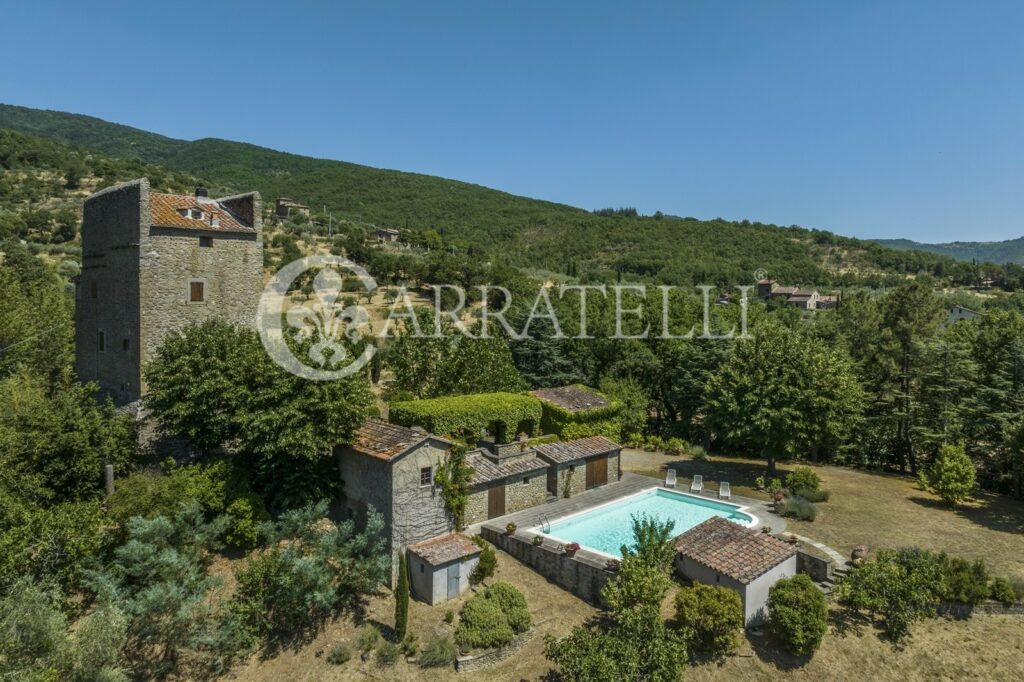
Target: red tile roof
(571,398)
(730,549)
(485,470)
(382,440)
(445,548)
(573,450)
(165,211)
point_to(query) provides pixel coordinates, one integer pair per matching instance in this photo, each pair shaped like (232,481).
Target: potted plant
(859,554)
(572,548)
(510,528)
(612,565)
(538,540)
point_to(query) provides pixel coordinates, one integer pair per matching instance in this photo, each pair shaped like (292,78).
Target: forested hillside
(1007,251)
(534,234)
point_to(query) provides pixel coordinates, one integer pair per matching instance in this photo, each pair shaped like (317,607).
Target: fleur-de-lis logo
(327,321)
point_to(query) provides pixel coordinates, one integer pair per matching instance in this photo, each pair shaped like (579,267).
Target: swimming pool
(606,528)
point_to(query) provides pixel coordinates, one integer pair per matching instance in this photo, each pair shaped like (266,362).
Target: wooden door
(496,500)
(597,471)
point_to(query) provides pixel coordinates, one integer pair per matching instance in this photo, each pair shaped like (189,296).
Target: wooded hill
(1006,251)
(533,234)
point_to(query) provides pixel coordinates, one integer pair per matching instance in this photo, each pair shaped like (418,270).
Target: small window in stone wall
(126,344)
(93,289)
(196,291)
(206,241)
(426,476)
(101,341)
(526,480)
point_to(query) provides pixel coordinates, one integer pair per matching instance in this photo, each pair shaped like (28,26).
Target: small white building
(958,312)
(439,568)
(720,552)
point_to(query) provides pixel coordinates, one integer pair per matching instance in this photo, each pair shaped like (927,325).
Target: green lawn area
(878,510)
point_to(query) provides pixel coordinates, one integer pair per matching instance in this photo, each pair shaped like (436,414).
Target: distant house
(439,568)
(828,302)
(805,299)
(286,207)
(578,411)
(391,468)
(721,552)
(387,235)
(959,312)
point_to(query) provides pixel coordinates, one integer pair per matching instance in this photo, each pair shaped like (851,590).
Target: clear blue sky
(870,118)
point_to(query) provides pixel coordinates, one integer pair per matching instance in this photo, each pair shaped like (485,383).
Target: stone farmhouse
(804,299)
(387,235)
(154,263)
(285,208)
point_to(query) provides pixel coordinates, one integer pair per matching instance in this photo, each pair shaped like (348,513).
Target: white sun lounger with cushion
(670,478)
(724,493)
(697,484)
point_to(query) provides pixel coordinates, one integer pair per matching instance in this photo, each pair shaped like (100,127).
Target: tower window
(196,291)
(101,341)
(126,344)
(93,289)
(206,241)
(426,476)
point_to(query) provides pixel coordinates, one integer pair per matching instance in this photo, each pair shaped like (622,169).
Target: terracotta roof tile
(382,440)
(445,548)
(573,450)
(485,470)
(571,398)
(165,211)
(730,549)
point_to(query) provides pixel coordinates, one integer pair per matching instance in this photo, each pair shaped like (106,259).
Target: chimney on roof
(202,192)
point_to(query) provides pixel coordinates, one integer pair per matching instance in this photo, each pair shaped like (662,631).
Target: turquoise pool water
(609,527)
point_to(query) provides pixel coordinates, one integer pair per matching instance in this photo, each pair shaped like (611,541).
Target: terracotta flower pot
(859,554)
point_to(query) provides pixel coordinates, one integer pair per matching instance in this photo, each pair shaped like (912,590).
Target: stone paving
(629,484)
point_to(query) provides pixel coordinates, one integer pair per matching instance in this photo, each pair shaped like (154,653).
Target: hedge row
(568,425)
(468,415)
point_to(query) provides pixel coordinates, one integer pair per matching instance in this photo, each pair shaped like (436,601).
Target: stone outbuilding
(391,468)
(439,568)
(720,552)
(387,235)
(506,478)
(581,464)
(577,411)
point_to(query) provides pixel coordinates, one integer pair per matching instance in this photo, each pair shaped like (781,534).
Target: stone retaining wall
(581,574)
(995,608)
(468,664)
(817,568)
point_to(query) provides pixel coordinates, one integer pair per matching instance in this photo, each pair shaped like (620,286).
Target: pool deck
(628,485)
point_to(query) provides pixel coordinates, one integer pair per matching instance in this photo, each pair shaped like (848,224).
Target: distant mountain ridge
(1001,252)
(541,236)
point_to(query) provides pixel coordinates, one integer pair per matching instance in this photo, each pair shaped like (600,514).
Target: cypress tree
(402,599)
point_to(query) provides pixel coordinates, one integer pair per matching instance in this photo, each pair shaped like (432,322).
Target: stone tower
(153,263)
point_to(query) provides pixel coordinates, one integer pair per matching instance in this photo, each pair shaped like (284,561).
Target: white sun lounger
(724,493)
(697,485)
(670,478)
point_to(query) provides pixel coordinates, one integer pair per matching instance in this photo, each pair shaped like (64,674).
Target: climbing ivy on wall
(603,421)
(452,477)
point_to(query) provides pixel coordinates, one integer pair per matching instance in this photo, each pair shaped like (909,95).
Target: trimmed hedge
(470,414)
(603,421)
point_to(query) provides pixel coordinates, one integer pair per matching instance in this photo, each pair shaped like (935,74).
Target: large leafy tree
(784,394)
(283,425)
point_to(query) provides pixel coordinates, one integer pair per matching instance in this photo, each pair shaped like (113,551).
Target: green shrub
(698,453)
(245,515)
(339,654)
(759,483)
(512,603)
(1018,586)
(438,653)
(654,443)
(409,645)
(470,414)
(963,581)
(803,478)
(388,653)
(797,614)
(710,618)
(676,446)
(1002,590)
(482,625)
(901,587)
(774,485)
(813,495)
(449,616)
(798,507)
(368,638)
(488,562)
(951,475)
(634,440)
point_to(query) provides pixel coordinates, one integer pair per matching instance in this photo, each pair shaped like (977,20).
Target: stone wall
(476,505)
(994,608)
(582,575)
(578,479)
(107,296)
(468,664)
(518,496)
(816,567)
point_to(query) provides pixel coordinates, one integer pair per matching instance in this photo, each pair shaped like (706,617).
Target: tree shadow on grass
(772,652)
(996,512)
